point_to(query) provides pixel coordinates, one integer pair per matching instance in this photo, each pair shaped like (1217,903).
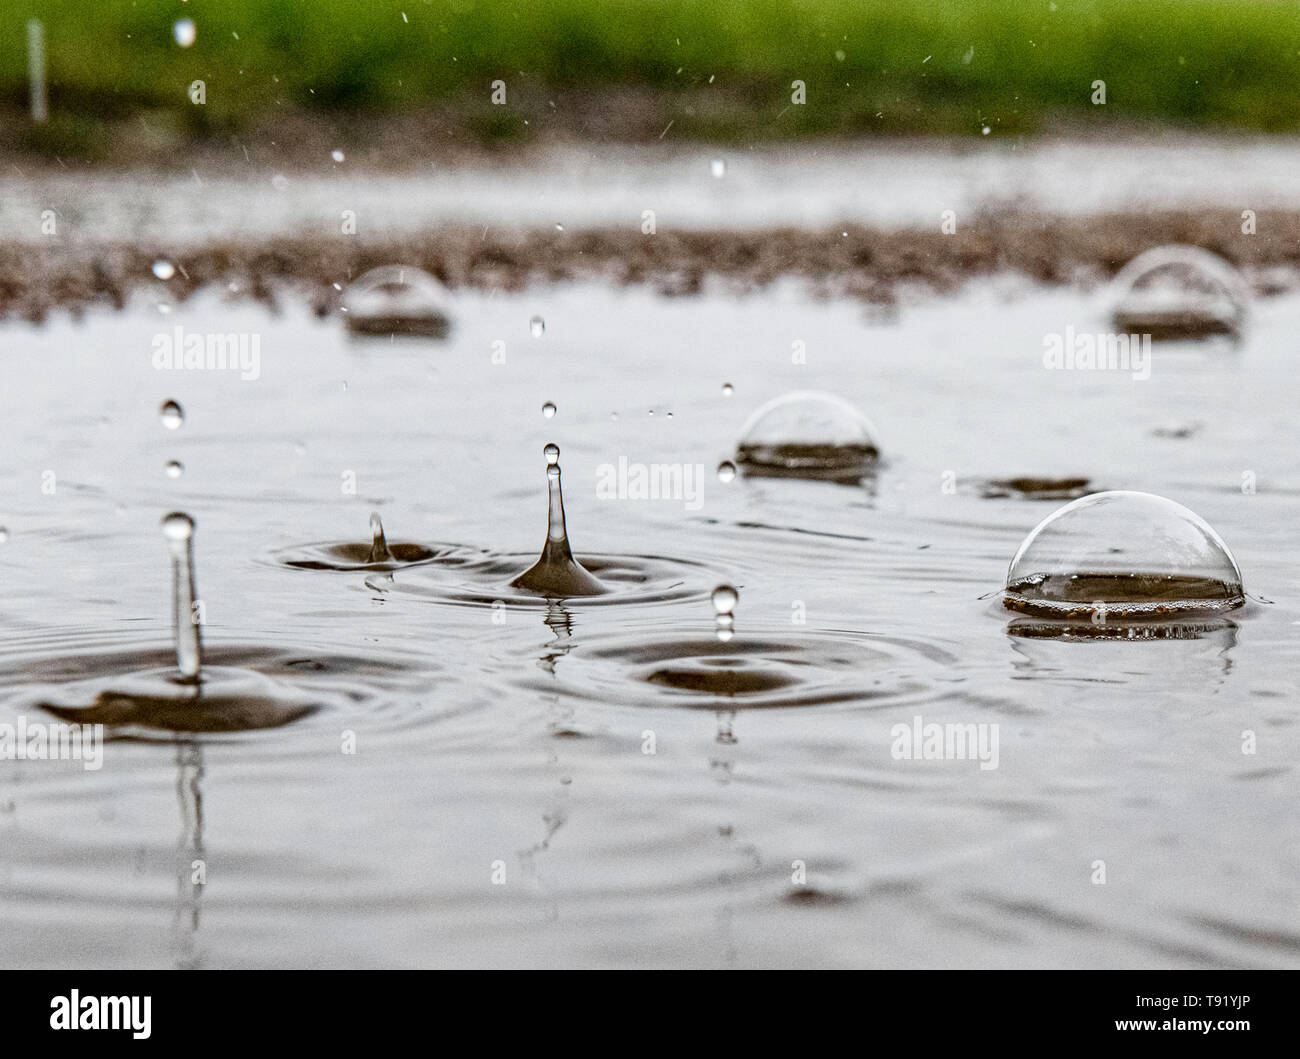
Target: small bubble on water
(718,168)
(337,155)
(184,32)
(537,327)
(174,469)
(726,471)
(164,269)
(727,389)
(171,414)
(548,410)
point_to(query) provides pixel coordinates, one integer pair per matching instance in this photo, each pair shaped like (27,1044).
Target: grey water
(462,772)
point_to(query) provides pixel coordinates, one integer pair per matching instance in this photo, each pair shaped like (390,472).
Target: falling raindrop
(559,227)
(184,32)
(174,469)
(725,599)
(985,131)
(164,270)
(557,573)
(4,534)
(537,327)
(171,414)
(727,389)
(337,155)
(548,410)
(726,471)
(718,168)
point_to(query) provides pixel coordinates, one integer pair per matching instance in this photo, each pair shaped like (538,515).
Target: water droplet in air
(1123,555)
(164,270)
(559,227)
(727,389)
(725,599)
(726,471)
(184,32)
(337,155)
(806,434)
(985,131)
(548,410)
(557,573)
(171,414)
(718,168)
(174,469)
(537,327)
(4,534)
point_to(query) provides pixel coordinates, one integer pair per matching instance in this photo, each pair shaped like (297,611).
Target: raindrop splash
(557,573)
(178,530)
(379,552)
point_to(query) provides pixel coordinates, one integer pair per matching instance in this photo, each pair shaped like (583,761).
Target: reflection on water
(494,776)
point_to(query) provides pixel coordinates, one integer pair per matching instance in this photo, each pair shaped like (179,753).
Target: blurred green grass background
(719,69)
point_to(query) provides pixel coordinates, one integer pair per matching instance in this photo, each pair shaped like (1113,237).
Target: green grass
(870,65)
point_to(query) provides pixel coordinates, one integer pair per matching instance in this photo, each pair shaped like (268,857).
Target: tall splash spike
(178,529)
(557,573)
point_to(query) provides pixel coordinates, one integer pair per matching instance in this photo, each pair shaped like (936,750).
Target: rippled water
(510,737)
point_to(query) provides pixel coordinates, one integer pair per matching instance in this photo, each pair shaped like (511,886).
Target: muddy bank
(869,264)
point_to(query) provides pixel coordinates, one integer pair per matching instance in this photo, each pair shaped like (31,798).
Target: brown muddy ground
(855,262)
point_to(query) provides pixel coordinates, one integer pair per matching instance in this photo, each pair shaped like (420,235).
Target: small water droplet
(727,389)
(164,269)
(379,552)
(171,414)
(337,155)
(174,469)
(559,227)
(178,526)
(4,534)
(718,168)
(985,131)
(537,327)
(184,32)
(552,454)
(726,471)
(548,410)
(164,309)
(725,599)
(840,56)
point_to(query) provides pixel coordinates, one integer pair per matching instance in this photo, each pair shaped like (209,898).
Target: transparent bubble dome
(396,299)
(808,434)
(1123,555)
(1179,292)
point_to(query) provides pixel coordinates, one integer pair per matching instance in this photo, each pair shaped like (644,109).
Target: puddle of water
(639,784)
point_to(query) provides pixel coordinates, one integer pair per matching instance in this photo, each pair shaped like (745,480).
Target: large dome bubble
(396,299)
(1179,292)
(1123,555)
(807,434)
